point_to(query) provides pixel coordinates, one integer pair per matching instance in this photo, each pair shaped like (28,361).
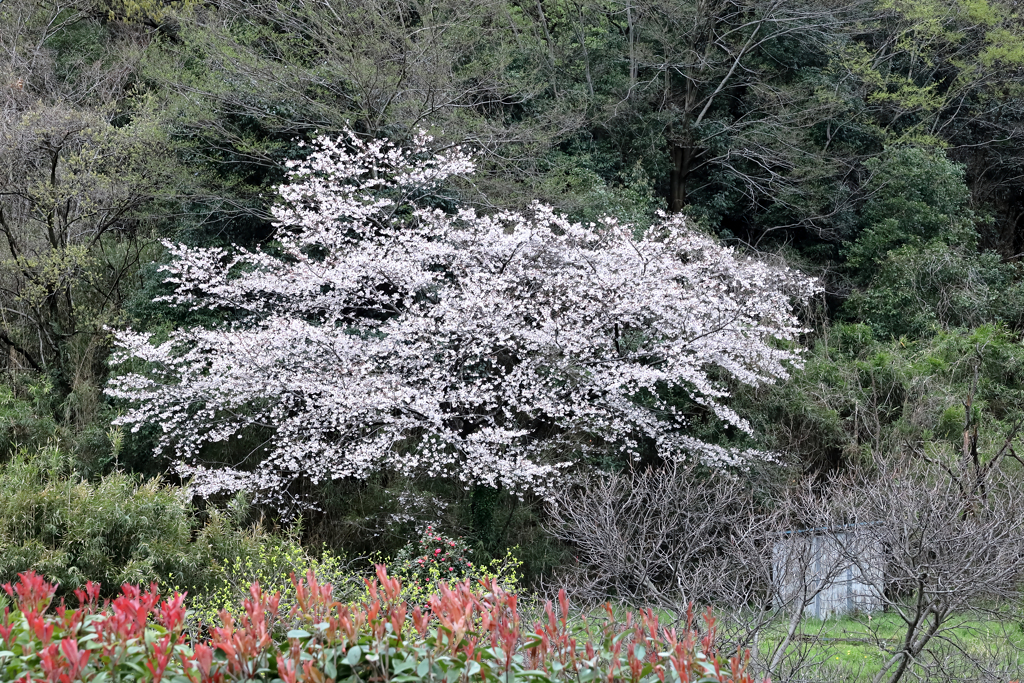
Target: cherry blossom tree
(382,332)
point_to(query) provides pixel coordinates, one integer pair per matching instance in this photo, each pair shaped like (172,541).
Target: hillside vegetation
(600,295)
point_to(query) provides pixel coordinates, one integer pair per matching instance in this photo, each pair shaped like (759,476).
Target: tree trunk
(682,159)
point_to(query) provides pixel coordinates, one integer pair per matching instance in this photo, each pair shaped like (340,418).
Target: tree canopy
(383,331)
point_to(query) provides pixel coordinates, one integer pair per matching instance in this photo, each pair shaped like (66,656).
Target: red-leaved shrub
(463,634)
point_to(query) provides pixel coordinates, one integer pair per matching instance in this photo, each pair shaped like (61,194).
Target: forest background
(873,144)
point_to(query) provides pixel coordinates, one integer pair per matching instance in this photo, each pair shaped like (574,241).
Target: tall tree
(495,349)
(244,80)
(80,169)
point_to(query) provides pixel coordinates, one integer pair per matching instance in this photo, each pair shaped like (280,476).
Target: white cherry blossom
(384,332)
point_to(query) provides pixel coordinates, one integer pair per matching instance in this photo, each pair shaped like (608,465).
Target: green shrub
(121,528)
(434,556)
(269,561)
(27,415)
(34,415)
(127,529)
(915,196)
(440,560)
(915,291)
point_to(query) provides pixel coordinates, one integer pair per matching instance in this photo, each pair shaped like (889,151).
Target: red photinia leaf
(139,631)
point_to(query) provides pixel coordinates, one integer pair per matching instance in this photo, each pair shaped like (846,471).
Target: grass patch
(856,648)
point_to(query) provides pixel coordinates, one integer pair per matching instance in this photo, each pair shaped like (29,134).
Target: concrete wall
(830,574)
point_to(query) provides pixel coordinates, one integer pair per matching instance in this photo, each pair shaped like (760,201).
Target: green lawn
(855,648)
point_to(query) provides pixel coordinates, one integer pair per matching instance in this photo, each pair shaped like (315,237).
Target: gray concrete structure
(829,572)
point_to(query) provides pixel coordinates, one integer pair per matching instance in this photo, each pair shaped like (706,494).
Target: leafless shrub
(954,552)
(657,537)
(943,554)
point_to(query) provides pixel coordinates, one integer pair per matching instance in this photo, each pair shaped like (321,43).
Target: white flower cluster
(384,333)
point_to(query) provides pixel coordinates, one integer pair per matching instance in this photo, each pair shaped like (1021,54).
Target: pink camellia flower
(437,552)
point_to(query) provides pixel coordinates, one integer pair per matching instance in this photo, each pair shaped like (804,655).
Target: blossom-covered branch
(384,332)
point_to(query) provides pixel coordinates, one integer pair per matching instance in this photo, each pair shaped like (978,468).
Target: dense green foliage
(121,528)
(876,144)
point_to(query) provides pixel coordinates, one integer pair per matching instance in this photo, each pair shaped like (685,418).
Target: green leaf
(400,665)
(533,673)
(299,633)
(353,656)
